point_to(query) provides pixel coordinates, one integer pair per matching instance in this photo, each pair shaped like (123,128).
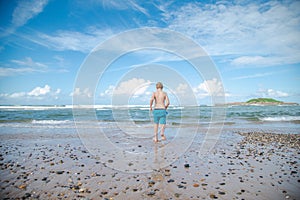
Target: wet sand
(243,165)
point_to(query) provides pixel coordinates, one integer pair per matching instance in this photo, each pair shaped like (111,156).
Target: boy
(159,113)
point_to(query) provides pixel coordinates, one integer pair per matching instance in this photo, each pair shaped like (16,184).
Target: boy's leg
(155,133)
(162,121)
(156,120)
(162,132)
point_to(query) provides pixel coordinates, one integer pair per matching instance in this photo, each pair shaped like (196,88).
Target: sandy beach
(242,165)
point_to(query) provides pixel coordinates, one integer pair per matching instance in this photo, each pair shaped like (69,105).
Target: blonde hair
(159,85)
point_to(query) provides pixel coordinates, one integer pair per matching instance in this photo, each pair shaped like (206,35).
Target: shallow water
(21,119)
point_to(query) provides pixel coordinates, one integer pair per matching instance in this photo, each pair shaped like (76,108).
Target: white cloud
(108,92)
(181,89)
(211,87)
(24,11)
(38,93)
(141,90)
(271,93)
(78,92)
(133,87)
(207,88)
(16,95)
(270,28)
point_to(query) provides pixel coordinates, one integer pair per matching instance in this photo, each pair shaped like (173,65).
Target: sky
(44,44)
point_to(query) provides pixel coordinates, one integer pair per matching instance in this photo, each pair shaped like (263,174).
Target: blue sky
(255,46)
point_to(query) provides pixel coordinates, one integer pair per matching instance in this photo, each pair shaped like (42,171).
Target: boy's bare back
(160,98)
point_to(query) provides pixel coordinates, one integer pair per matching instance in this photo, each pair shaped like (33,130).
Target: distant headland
(262,101)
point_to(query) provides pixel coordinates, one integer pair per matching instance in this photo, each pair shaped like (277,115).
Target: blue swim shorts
(159,116)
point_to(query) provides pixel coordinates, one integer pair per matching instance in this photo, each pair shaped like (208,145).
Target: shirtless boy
(162,102)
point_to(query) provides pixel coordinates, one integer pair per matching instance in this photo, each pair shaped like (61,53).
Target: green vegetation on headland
(262,101)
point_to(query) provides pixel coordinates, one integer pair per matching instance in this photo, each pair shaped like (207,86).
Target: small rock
(196,185)
(177,195)
(76,187)
(151,193)
(186,165)
(60,172)
(82,190)
(170,181)
(212,196)
(23,187)
(27,195)
(151,183)
(181,186)
(104,192)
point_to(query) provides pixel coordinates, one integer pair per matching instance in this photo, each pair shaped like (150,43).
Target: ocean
(30,119)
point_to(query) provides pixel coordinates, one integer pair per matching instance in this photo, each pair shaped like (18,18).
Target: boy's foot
(163,137)
(155,140)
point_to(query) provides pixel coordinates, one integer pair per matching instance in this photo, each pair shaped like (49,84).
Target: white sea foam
(98,107)
(51,122)
(31,107)
(281,118)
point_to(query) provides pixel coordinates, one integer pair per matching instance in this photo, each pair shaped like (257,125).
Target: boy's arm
(167,101)
(151,101)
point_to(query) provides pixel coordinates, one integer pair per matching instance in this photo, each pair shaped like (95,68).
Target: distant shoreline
(262,101)
(261,104)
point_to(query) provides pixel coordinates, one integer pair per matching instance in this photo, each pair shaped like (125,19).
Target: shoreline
(243,165)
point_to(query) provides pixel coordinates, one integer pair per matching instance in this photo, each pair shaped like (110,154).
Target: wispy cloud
(24,66)
(7,71)
(25,11)
(123,5)
(28,65)
(253,76)
(262,61)
(259,29)
(29,62)
(62,40)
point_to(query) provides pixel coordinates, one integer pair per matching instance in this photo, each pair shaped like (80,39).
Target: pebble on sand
(23,187)
(186,165)
(196,185)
